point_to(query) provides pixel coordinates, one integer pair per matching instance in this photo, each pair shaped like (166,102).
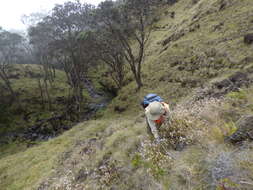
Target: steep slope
(199,45)
(203,41)
(42,110)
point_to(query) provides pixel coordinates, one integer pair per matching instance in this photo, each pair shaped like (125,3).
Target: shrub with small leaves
(155,159)
(108,173)
(176,132)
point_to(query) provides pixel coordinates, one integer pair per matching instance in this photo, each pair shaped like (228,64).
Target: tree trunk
(139,81)
(48,95)
(41,94)
(137,75)
(7,83)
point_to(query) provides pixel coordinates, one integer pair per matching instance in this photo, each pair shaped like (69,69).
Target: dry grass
(205,161)
(121,156)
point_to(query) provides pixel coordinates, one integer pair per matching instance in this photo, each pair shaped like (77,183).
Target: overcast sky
(11,11)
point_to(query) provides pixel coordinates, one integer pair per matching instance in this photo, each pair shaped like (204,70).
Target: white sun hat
(154,110)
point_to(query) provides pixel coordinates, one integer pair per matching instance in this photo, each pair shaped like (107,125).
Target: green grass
(167,71)
(241,95)
(29,96)
(23,170)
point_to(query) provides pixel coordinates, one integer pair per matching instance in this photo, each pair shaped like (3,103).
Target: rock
(194,28)
(244,130)
(221,88)
(171,2)
(218,27)
(119,109)
(173,64)
(195,2)
(222,5)
(173,37)
(248,39)
(181,68)
(180,146)
(222,84)
(172,14)
(239,79)
(166,13)
(82,175)
(233,83)
(222,167)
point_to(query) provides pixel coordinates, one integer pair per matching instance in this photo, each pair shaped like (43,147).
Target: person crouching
(156,113)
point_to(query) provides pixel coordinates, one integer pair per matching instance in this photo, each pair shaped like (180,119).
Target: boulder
(244,130)
(222,167)
(248,39)
(240,79)
(223,84)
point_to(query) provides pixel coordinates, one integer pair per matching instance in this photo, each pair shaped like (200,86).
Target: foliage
(240,95)
(11,52)
(57,41)
(155,159)
(4,114)
(209,51)
(125,21)
(177,133)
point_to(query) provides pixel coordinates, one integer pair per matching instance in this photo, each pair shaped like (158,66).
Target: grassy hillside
(187,61)
(204,43)
(33,110)
(24,81)
(15,119)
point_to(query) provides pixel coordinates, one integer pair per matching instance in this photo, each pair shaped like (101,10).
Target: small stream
(100,101)
(52,127)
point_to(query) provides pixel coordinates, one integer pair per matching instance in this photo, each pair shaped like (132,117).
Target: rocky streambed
(45,129)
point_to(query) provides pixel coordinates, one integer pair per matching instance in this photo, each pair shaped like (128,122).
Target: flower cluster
(156,158)
(188,123)
(65,182)
(107,173)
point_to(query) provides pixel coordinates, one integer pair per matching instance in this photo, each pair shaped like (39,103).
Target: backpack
(150,98)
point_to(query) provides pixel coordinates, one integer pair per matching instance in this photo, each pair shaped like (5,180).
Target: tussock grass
(205,161)
(115,152)
(24,170)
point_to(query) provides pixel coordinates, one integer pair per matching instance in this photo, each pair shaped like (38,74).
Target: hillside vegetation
(15,118)
(198,62)
(32,119)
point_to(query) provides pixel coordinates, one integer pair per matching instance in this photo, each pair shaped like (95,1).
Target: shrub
(4,114)
(240,95)
(176,132)
(137,161)
(155,159)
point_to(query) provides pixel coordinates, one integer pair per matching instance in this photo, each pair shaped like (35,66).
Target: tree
(69,21)
(41,36)
(34,18)
(112,55)
(129,21)
(57,38)
(10,51)
(106,49)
